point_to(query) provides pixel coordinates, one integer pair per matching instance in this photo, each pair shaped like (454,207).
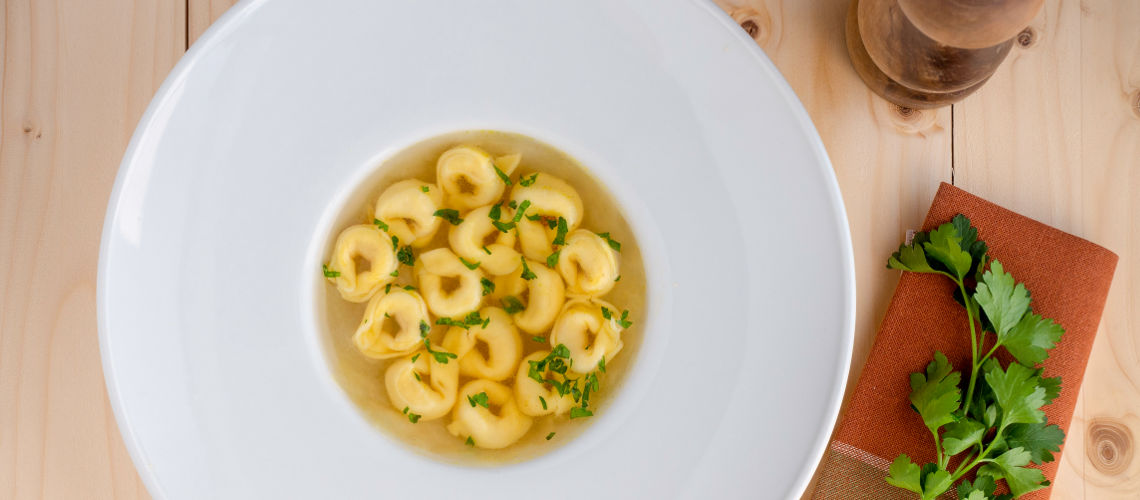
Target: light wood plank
(1055,135)
(76,77)
(203,13)
(888,160)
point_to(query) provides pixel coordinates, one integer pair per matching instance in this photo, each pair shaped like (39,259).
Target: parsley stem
(962,470)
(973,347)
(938,448)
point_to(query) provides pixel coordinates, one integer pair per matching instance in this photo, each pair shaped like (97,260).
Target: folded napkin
(1068,278)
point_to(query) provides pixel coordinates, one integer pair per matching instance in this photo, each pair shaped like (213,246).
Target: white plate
(208,249)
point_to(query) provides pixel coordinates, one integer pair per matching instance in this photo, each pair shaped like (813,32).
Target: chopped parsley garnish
(613,243)
(480,399)
(496,211)
(470,320)
(450,215)
(330,273)
(552,259)
(527,181)
(535,217)
(624,321)
(538,338)
(386,315)
(512,305)
(413,418)
(606,313)
(409,288)
(513,204)
(488,286)
(405,256)
(395,273)
(501,174)
(387,289)
(417,374)
(486,250)
(380,224)
(441,357)
(395,242)
(424,188)
(527,274)
(579,412)
(405,410)
(503,227)
(521,210)
(549,436)
(424,329)
(601,364)
(560,237)
(415,357)
(543,401)
(471,442)
(469,265)
(618,278)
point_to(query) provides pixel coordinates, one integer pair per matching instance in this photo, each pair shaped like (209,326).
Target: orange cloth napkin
(1069,279)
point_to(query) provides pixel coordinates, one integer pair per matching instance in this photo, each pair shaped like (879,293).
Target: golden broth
(363,378)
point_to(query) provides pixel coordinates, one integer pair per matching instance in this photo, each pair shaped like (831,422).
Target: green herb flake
(496,211)
(502,175)
(485,250)
(503,227)
(527,274)
(579,412)
(415,357)
(513,204)
(387,289)
(413,418)
(552,259)
(560,236)
(480,399)
(395,242)
(424,189)
(424,329)
(624,321)
(380,224)
(409,288)
(606,313)
(543,401)
(527,181)
(550,436)
(405,410)
(538,338)
(488,286)
(418,379)
(521,211)
(450,215)
(612,242)
(406,256)
(512,305)
(330,273)
(602,364)
(394,273)
(469,265)
(471,442)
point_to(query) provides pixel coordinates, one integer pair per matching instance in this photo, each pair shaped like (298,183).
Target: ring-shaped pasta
(409,211)
(588,264)
(425,386)
(584,330)
(467,175)
(550,198)
(530,394)
(361,242)
(436,266)
(542,299)
(503,346)
(478,240)
(488,429)
(391,325)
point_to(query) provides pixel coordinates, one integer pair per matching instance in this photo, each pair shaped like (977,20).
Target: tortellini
(408,209)
(537,399)
(425,387)
(550,198)
(583,328)
(448,286)
(365,243)
(476,239)
(391,324)
(588,264)
(503,346)
(486,428)
(467,174)
(514,286)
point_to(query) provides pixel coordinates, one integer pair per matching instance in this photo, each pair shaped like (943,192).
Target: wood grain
(201,14)
(76,76)
(1055,135)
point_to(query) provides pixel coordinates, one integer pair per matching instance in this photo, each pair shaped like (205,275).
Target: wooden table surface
(1054,135)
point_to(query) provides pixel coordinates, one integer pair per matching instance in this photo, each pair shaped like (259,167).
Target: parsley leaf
(1011,466)
(415,357)
(1003,300)
(624,321)
(527,181)
(527,274)
(395,242)
(409,288)
(962,435)
(543,401)
(910,258)
(503,227)
(1039,439)
(905,474)
(549,436)
(511,304)
(424,328)
(488,286)
(1031,337)
(944,246)
(394,273)
(602,364)
(612,242)
(485,250)
(414,418)
(450,215)
(552,259)
(469,265)
(935,395)
(330,273)
(506,180)
(405,256)
(496,211)
(521,211)
(471,442)
(440,357)
(424,188)
(480,399)
(380,224)
(983,486)
(560,236)
(579,412)
(1017,392)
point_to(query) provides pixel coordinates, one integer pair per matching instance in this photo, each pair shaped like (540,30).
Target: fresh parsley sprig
(998,425)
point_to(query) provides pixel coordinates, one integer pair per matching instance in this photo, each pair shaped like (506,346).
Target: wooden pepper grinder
(928,53)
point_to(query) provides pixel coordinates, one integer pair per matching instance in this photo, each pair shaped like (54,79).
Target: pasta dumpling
(425,386)
(588,264)
(467,174)
(478,240)
(448,286)
(583,328)
(497,426)
(503,346)
(391,325)
(550,198)
(541,297)
(408,210)
(535,398)
(367,243)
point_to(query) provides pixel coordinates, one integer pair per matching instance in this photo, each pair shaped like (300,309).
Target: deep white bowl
(214,232)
